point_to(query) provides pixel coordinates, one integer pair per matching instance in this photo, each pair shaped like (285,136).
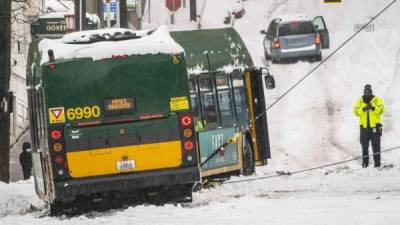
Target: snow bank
(158,42)
(18,198)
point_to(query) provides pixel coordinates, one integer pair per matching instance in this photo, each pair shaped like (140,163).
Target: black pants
(26,172)
(366,135)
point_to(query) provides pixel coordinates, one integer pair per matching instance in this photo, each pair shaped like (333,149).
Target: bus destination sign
(119,106)
(332,1)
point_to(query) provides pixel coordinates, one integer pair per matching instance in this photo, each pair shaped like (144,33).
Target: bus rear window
(296,28)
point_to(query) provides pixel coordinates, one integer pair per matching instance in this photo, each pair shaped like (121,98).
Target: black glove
(368,107)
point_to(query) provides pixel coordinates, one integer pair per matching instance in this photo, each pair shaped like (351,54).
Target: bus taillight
(55,134)
(188,145)
(58,152)
(52,66)
(60,172)
(188,139)
(187,133)
(57,147)
(59,160)
(186,120)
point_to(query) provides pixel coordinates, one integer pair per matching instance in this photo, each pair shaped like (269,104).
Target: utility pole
(149,11)
(100,11)
(80,14)
(173,13)
(193,10)
(5,71)
(123,18)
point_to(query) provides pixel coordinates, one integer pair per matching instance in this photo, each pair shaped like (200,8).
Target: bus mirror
(269,81)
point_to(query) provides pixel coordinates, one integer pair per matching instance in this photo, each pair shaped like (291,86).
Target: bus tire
(187,194)
(55,208)
(248,167)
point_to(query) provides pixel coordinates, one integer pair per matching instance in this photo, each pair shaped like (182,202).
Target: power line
(309,169)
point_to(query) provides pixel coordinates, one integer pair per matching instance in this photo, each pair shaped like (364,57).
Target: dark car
(296,36)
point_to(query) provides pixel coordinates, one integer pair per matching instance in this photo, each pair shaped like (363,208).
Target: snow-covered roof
(291,18)
(56,15)
(59,5)
(158,42)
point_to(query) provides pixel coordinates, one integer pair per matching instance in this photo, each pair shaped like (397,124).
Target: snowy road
(311,126)
(337,195)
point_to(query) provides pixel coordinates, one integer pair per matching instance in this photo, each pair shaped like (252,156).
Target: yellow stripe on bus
(251,110)
(97,162)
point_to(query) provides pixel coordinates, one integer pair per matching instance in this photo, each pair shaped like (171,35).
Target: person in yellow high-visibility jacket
(369,109)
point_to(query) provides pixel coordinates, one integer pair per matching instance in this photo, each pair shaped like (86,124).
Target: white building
(22,16)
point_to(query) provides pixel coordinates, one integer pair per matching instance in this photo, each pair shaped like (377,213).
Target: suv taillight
(276,43)
(317,39)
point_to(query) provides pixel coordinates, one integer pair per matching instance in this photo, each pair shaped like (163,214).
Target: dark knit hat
(26,145)
(367,89)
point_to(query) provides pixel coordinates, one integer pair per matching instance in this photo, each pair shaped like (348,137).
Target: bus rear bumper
(68,190)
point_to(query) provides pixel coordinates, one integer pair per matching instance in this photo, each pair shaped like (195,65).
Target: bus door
(39,163)
(257,109)
(213,109)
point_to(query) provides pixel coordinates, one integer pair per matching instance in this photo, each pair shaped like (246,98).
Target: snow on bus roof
(73,45)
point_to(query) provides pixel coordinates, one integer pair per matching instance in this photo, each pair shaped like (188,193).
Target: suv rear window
(296,28)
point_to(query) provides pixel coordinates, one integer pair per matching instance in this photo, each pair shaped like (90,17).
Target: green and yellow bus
(116,111)
(110,112)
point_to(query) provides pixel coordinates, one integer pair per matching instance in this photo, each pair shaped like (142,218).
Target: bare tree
(5,70)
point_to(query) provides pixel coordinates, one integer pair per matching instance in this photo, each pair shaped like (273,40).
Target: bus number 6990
(86,112)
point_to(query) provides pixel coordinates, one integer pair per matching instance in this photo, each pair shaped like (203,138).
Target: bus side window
(194,99)
(195,105)
(208,102)
(240,97)
(225,100)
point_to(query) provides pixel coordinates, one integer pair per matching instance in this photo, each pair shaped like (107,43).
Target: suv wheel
(266,56)
(273,60)
(318,58)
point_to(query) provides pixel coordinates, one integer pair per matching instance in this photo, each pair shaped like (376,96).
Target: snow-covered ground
(312,126)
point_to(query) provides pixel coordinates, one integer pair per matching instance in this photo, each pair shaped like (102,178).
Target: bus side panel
(38,174)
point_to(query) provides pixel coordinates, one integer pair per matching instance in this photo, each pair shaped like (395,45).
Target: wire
(309,169)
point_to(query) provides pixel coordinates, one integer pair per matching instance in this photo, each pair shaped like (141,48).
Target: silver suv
(295,36)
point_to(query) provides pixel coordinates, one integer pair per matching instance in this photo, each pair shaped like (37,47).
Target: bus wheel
(55,208)
(187,194)
(248,159)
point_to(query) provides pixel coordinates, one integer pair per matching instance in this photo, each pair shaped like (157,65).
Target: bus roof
(80,44)
(213,50)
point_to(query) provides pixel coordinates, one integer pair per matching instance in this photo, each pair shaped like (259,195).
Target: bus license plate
(126,165)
